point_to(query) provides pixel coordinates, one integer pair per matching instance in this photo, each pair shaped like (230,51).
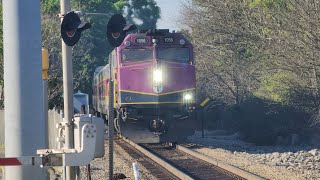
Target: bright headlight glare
(157,76)
(187,97)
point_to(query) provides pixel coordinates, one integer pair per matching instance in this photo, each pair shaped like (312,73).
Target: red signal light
(115,34)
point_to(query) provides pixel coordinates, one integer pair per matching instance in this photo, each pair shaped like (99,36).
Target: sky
(170,10)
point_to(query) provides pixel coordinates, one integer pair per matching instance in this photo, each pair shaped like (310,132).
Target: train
(154,82)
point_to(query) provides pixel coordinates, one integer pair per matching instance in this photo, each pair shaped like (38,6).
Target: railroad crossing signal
(117,29)
(80,156)
(71,28)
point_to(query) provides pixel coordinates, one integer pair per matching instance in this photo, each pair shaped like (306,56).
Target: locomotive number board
(141,40)
(168,40)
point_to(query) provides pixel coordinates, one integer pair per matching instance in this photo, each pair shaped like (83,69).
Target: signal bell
(71,28)
(117,29)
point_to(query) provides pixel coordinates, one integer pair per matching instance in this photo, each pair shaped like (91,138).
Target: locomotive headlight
(127,43)
(182,41)
(187,97)
(157,76)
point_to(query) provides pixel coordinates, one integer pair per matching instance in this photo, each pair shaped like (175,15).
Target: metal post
(88,172)
(202,122)
(136,171)
(110,125)
(67,92)
(24,119)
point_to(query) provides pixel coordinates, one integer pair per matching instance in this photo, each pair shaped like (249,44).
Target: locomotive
(154,86)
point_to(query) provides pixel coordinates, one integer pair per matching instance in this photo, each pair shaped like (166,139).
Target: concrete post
(24,119)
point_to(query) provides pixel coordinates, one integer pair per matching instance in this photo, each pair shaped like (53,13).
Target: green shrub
(259,121)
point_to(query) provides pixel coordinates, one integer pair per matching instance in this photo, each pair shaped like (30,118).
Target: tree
(51,40)
(50,6)
(229,48)
(144,13)
(296,44)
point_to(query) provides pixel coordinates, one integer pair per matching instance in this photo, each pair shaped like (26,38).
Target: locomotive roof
(144,37)
(155,32)
(98,69)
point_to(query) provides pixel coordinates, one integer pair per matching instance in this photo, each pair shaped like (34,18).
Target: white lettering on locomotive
(168,40)
(141,40)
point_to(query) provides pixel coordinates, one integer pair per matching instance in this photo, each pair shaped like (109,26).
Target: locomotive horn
(117,29)
(71,28)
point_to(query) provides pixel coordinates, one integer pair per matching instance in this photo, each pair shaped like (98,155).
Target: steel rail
(161,162)
(225,166)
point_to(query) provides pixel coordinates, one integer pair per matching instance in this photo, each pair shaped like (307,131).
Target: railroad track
(180,162)
(155,169)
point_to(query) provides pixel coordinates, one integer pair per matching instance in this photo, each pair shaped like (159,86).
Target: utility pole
(24,119)
(111,121)
(67,93)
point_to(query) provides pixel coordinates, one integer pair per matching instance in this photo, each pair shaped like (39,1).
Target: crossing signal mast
(117,29)
(71,29)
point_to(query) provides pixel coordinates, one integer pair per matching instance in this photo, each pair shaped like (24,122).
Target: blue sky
(169,13)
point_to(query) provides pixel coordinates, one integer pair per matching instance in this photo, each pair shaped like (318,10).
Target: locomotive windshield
(133,55)
(173,54)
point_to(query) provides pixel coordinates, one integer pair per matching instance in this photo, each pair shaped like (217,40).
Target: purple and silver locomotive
(154,86)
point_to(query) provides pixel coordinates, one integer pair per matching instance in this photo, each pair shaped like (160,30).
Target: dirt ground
(259,160)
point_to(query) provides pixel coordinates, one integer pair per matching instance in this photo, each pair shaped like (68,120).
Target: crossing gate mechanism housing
(86,147)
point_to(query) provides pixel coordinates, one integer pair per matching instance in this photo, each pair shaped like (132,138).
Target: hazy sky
(170,10)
